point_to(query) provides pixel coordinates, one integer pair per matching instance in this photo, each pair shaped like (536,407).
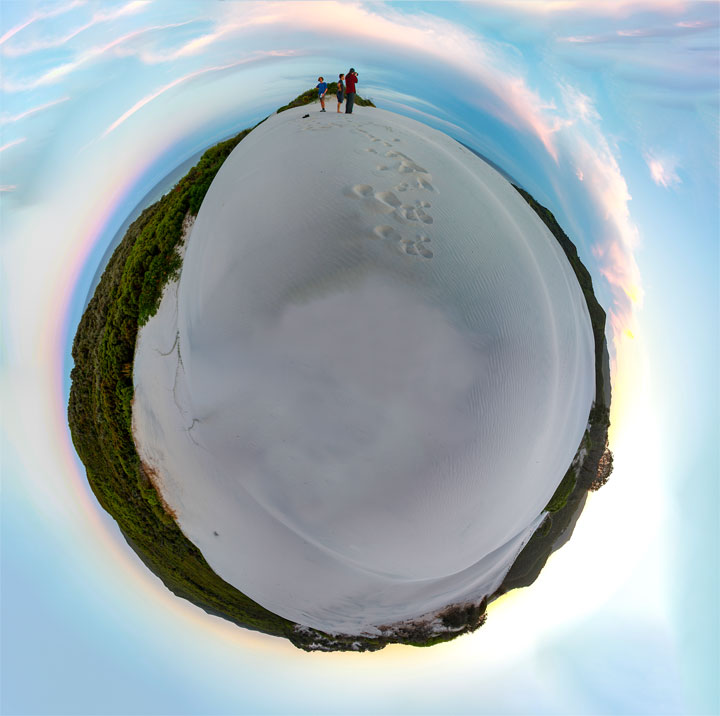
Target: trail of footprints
(387,201)
(412,177)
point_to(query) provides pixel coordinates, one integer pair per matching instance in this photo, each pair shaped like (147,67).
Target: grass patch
(563,492)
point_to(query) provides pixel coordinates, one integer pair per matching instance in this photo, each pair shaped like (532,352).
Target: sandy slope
(373,374)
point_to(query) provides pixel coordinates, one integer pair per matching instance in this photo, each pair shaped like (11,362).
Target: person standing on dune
(350,81)
(340,91)
(322,89)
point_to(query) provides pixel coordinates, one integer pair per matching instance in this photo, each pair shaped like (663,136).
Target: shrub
(564,489)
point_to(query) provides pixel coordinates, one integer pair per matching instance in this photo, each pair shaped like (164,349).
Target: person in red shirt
(350,79)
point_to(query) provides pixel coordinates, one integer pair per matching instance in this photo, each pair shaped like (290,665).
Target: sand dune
(374,371)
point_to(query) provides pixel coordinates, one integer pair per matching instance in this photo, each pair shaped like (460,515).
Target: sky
(606,111)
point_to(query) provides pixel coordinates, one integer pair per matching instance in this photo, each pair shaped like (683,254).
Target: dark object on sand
(305,115)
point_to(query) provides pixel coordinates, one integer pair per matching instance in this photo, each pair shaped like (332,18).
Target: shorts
(340,97)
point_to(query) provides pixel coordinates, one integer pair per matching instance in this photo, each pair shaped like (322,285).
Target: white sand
(384,367)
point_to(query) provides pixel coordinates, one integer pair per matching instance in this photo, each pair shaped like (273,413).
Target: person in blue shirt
(322,89)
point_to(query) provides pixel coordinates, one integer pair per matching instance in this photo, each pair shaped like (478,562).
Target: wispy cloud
(578,106)
(697,24)
(595,163)
(225,28)
(8,187)
(599,8)
(627,35)
(58,73)
(637,32)
(14,143)
(662,170)
(185,78)
(40,15)
(11,118)
(129,8)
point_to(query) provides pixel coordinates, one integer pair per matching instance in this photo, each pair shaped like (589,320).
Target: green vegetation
(563,492)
(100,405)
(100,413)
(546,526)
(570,493)
(312,95)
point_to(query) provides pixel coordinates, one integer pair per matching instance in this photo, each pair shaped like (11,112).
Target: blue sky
(606,111)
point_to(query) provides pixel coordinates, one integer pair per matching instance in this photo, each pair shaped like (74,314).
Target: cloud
(224,29)
(13,143)
(40,16)
(598,8)
(697,24)
(578,105)
(185,78)
(662,170)
(586,148)
(58,73)
(677,29)
(10,119)
(100,17)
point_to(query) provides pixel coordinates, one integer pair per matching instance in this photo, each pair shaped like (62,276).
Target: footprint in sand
(421,245)
(388,202)
(409,167)
(415,213)
(376,202)
(417,247)
(387,232)
(406,165)
(420,212)
(362,191)
(387,197)
(411,247)
(423,183)
(407,211)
